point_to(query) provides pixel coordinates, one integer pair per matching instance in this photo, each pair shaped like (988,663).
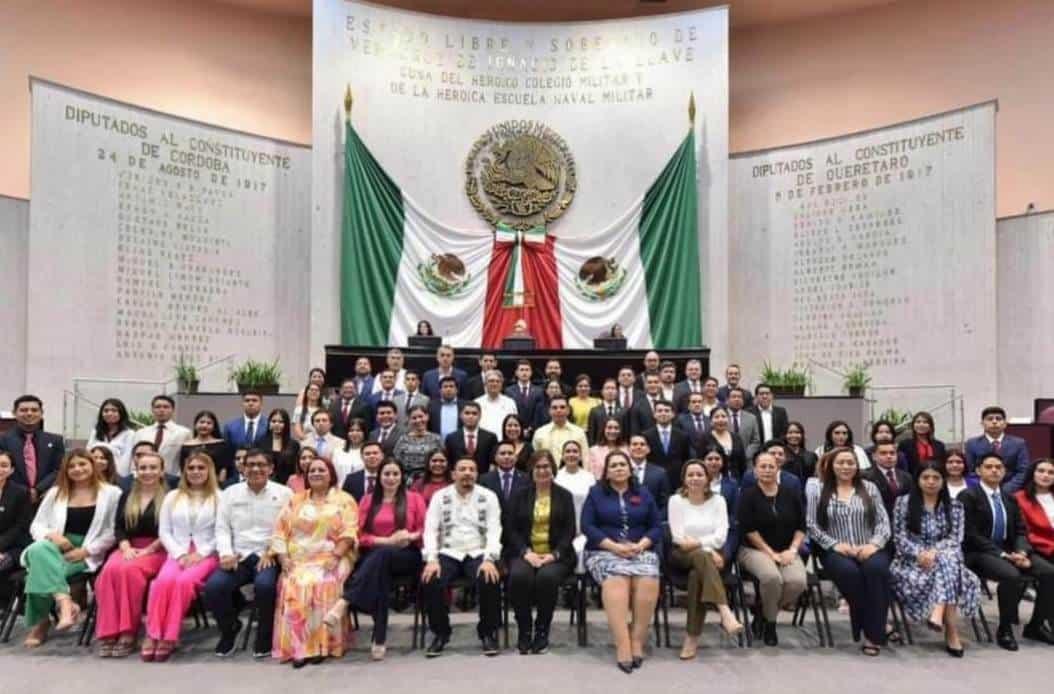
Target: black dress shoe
(1038,632)
(769,634)
(228,642)
(490,645)
(637,662)
(523,642)
(955,652)
(436,647)
(297,664)
(626,667)
(1004,636)
(540,644)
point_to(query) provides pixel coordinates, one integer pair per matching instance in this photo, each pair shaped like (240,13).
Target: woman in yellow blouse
(315,542)
(539,529)
(582,403)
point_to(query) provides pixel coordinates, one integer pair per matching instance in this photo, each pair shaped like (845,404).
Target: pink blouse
(384,522)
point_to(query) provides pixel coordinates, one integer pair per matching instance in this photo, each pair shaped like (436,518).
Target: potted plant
(261,376)
(141,418)
(186,376)
(786,382)
(856,380)
(900,419)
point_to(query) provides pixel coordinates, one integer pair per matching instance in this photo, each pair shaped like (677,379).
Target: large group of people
(396,479)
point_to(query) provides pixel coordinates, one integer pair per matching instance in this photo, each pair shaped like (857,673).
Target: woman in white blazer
(187,529)
(72,532)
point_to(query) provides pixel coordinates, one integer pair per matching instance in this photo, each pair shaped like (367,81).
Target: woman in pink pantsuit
(120,587)
(188,532)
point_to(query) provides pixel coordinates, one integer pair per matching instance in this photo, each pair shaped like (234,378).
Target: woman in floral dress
(315,541)
(928,573)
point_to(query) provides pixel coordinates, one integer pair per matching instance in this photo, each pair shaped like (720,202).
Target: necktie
(998,519)
(735,422)
(611,410)
(387,395)
(892,479)
(523,392)
(345,411)
(626,401)
(698,423)
(29,455)
(506,484)
(320,444)
(382,436)
(250,433)
(695,386)
(369,484)
(665,441)
(638,472)
(159,436)
(996,445)
(470,443)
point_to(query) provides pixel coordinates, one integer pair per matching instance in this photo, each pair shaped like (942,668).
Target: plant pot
(789,391)
(269,389)
(188,387)
(856,391)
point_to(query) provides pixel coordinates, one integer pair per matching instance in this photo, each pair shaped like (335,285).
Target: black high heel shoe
(637,662)
(955,652)
(625,667)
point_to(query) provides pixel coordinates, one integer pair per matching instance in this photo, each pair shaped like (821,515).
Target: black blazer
(492,481)
(801,464)
(977,535)
(680,451)
(640,417)
(737,460)
(598,416)
(50,451)
(911,454)
(359,410)
(435,405)
(486,445)
(518,517)
(355,485)
(526,407)
(779,423)
(657,482)
(16,513)
(878,476)
(686,423)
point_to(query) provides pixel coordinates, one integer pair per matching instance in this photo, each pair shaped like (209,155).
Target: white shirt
(1047,502)
(51,517)
(184,521)
(638,469)
(667,393)
(862,460)
(400,382)
(955,489)
(459,526)
(255,421)
(579,485)
(245,520)
(173,440)
(706,522)
(121,445)
(493,411)
(346,463)
(766,422)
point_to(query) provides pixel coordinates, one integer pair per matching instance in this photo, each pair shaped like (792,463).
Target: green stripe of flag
(669,251)
(371,246)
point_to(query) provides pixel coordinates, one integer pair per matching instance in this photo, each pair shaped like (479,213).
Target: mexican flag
(399,266)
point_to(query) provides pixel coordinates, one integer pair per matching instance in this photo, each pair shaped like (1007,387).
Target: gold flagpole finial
(348,101)
(691,109)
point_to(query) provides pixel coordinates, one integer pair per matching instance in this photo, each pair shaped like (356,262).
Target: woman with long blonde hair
(72,532)
(121,586)
(187,528)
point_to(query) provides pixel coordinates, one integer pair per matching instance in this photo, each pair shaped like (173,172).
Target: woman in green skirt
(72,532)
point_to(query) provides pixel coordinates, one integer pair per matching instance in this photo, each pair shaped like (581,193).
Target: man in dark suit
(694,422)
(641,416)
(388,431)
(628,392)
(504,479)
(475,386)
(1012,449)
(650,476)
(772,419)
(16,513)
(670,446)
(444,412)
(733,380)
(445,367)
(36,453)
(554,371)
(996,548)
(363,377)
(891,481)
(529,397)
(608,408)
(469,441)
(692,383)
(361,483)
(346,407)
(651,366)
(250,430)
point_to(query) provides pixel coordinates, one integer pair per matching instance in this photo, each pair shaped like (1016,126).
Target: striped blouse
(847,520)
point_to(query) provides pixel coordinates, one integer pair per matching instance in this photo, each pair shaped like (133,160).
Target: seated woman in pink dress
(187,529)
(315,541)
(122,584)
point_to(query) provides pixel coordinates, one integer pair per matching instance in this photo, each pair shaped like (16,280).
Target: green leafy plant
(186,374)
(857,378)
(900,419)
(141,417)
(256,374)
(791,377)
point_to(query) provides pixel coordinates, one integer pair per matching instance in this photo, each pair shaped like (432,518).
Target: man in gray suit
(388,431)
(413,396)
(744,424)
